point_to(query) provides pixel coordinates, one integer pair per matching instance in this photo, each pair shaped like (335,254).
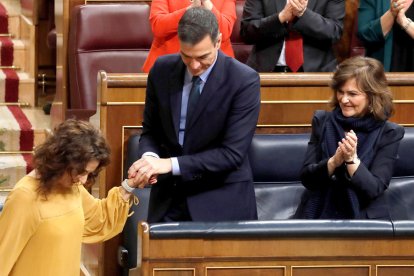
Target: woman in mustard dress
(49,213)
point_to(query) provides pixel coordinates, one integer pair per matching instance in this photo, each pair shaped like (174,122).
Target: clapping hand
(194,3)
(201,3)
(397,6)
(298,7)
(286,15)
(348,146)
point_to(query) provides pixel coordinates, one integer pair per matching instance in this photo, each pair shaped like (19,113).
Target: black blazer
(321,26)
(368,182)
(216,178)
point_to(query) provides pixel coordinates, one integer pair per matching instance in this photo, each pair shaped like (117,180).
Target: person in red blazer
(164,17)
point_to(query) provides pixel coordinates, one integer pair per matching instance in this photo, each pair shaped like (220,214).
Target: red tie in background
(294,50)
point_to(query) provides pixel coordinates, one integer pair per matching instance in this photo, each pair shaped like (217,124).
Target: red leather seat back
(111,37)
(357,47)
(241,50)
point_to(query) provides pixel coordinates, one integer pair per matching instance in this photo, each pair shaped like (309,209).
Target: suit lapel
(210,88)
(175,83)
(311,4)
(277,5)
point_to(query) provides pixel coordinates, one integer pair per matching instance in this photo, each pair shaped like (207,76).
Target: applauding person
(164,18)
(352,150)
(387,31)
(292,35)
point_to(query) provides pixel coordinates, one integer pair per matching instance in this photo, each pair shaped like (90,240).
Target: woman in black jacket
(352,149)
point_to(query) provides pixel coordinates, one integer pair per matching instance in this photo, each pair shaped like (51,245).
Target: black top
(403,47)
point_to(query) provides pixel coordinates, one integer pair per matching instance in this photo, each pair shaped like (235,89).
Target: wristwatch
(353,161)
(125,185)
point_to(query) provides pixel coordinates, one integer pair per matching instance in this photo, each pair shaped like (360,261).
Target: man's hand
(147,169)
(286,14)
(298,7)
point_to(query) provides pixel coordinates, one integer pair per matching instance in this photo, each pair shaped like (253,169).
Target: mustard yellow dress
(43,237)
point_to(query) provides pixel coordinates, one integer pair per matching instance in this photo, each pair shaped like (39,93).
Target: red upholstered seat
(111,37)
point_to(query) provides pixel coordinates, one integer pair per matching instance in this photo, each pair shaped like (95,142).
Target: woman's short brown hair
(370,78)
(69,148)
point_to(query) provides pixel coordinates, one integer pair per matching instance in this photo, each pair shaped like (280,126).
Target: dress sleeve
(369,23)
(104,218)
(18,221)
(164,21)
(226,16)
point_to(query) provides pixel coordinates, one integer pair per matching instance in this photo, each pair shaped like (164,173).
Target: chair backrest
(241,50)
(400,194)
(111,37)
(357,47)
(276,161)
(349,45)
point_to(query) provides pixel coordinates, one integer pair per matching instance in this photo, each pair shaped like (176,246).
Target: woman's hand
(194,3)
(348,146)
(207,4)
(401,18)
(396,6)
(335,161)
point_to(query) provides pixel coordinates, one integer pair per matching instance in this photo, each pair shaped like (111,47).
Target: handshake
(146,170)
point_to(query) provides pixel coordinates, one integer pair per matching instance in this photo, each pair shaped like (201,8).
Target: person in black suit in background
(196,159)
(267,23)
(352,150)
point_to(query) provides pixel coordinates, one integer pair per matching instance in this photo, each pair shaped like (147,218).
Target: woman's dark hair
(370,78)
(69,148)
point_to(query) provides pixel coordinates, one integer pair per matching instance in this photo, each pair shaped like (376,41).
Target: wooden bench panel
(294,256)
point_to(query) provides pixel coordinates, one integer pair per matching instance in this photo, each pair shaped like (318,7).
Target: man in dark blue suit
(196,158)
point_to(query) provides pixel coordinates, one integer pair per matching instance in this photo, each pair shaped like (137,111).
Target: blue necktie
(193,97)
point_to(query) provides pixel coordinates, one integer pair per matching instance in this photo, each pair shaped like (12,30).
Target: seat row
(276,161)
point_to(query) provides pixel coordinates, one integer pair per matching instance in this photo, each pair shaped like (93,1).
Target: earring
(370,109)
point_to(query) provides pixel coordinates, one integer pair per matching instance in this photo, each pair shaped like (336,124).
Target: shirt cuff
(150,153)
(175,166)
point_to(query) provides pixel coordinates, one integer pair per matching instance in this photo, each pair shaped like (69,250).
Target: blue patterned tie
(193,97)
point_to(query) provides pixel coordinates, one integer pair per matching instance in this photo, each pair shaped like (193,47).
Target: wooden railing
(283,254)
